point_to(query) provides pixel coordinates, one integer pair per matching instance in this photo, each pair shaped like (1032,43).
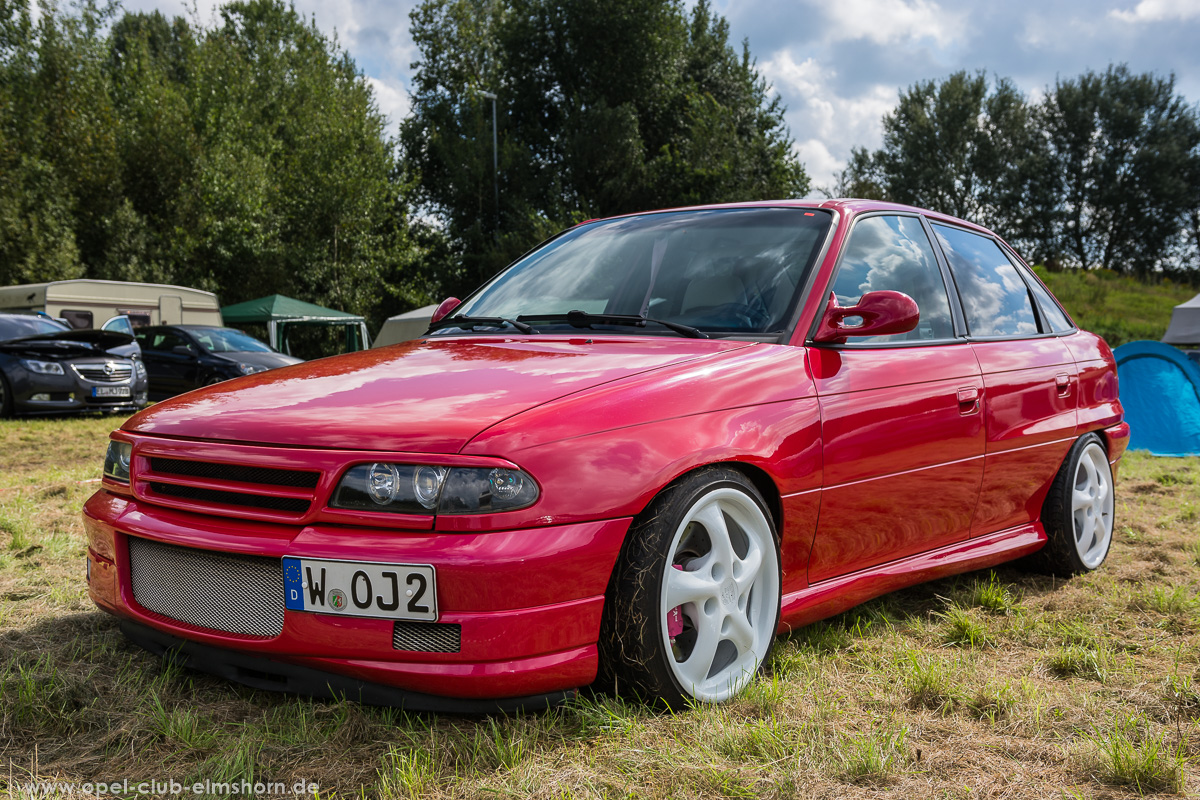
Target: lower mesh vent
(219,591)
(427,637)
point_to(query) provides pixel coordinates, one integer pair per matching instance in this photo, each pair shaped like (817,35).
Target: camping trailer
(85,303)
(402,327)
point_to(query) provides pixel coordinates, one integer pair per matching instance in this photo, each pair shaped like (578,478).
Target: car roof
(848,206)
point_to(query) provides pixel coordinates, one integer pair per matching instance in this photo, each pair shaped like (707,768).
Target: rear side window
(893,252)
(995,299)
(1052,314)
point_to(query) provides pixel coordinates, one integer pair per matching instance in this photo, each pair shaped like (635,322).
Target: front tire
(693,602)
(1078,512)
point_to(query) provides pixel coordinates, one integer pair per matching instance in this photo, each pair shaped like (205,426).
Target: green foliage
(1119,308)
(603,108)
(248,158)
(1104,172)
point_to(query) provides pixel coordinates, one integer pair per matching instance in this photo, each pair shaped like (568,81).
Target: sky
(839,65)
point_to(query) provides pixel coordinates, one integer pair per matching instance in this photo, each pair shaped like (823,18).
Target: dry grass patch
(995,684)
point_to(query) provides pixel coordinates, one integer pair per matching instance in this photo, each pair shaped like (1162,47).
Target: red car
(641,452)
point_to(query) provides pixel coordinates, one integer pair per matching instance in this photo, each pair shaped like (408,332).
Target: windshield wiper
(470,323)
(585,319)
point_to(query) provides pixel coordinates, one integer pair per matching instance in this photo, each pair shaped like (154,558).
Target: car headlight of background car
(139,369)
(250,369)
(116,460)
(43,367)
(421,489)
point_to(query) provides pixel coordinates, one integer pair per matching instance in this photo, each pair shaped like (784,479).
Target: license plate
(360,588)
(111,391)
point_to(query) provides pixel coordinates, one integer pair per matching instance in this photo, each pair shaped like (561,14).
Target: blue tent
(1160,390)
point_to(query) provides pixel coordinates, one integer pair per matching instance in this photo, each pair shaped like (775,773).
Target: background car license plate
(111,391)
(360,588)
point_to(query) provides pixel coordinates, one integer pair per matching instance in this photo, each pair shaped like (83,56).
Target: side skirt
(836,595)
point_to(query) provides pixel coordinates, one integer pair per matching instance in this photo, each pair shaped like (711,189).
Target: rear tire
(1078,512)
(702,559)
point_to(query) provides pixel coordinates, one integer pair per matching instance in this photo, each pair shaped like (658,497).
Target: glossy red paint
(882,313)
(883,466)
(444,308)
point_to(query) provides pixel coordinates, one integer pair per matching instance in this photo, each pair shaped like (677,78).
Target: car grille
(285,491)
(427,637)
(220,591)
(109,372)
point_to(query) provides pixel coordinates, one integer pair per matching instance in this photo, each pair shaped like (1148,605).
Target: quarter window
(995,299)
(1052,315)
(893,252)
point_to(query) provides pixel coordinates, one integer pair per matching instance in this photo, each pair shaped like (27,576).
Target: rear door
(901,421)
(1031,385)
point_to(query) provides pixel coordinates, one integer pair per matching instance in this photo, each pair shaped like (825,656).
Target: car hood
(429,396)
(71,344)
(268,360)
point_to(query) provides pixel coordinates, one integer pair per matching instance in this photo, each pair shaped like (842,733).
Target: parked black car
(185,357)
(48,368)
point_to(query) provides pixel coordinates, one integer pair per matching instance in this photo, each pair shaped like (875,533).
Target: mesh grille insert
(233,472)
(290,504)
(220,591)
(427,637)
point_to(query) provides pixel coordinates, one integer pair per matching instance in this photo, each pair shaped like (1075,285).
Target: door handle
(1063,382)
(968,400)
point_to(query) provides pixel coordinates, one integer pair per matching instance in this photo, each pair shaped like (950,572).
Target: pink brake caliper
(675,617)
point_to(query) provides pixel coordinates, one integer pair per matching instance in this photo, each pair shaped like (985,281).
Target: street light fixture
(495,158)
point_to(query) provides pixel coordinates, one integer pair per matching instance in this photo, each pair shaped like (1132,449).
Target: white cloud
(891,21)
(1159,11)
(393,101)
(825,124)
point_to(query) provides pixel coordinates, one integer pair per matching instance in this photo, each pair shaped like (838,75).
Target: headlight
(419,489)
(139,368)
(43,367)
(250,369)
(116,460)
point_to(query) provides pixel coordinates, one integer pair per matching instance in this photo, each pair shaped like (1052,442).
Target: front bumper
(70,393)
(528,602)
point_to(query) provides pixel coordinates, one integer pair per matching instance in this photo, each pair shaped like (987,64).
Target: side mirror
(444,308)
(182,350)
(881,313)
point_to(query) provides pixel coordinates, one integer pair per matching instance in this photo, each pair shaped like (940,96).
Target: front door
(901,415)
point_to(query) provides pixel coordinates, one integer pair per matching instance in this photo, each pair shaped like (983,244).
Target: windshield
(723,271)
(228,340)
(18,326)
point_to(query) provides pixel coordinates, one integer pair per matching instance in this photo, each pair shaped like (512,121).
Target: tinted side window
(892,252)
(1051,312)
(995,299)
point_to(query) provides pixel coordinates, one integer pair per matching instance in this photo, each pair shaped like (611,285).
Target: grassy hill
(1117,307)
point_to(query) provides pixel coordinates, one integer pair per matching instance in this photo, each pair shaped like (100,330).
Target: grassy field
(995,684)
(1118,308)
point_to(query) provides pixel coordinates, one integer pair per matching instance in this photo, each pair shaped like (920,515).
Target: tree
(1125,149)
(605,107)
(958,147)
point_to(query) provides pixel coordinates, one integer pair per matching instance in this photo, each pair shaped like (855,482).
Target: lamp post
(495,159)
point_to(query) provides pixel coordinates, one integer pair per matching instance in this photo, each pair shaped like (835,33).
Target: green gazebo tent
(282,314)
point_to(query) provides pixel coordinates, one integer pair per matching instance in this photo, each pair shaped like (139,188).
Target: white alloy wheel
(1092,505)
(722,583)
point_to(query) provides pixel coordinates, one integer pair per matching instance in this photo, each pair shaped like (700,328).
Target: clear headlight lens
(43,367)
(421,489)
(116,460)
(250,369)
(139,368)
